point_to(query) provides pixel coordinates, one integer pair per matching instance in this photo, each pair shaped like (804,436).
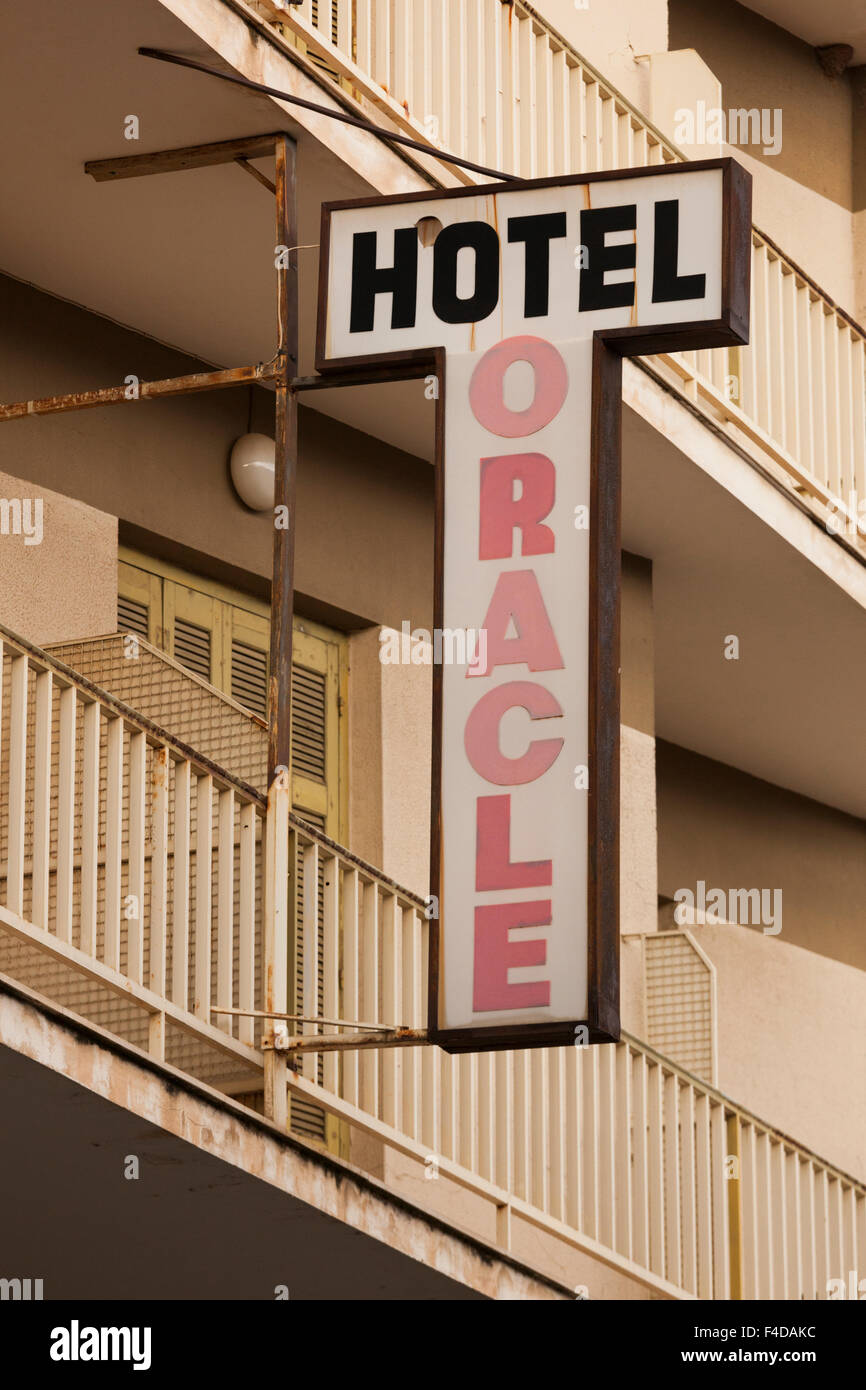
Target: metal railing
(127,857)
(492,81)
(134,871)
(617,1143)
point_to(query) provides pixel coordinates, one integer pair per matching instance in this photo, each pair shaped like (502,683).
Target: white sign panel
(523,298)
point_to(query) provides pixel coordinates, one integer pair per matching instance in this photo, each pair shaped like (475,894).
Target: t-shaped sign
(523,298)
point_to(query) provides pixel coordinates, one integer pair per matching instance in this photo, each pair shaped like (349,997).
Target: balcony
(794,400)
(150,891)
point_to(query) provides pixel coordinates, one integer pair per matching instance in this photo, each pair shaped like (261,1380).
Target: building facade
(719,1150)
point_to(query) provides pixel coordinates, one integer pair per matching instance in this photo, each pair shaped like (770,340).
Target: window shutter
(309,697)
(250,677)
(132,616)
(192,647)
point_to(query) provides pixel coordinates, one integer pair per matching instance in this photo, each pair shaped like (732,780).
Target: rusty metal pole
(278,866)
(282,589)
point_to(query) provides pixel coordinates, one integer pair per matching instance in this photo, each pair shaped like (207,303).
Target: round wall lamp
(252,470)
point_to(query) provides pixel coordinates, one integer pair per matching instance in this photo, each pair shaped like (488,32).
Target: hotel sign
(521,300)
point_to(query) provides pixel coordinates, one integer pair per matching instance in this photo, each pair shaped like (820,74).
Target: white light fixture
(252,470)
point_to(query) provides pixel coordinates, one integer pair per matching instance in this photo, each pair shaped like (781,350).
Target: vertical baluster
(383,43)
(822,1214)
(159,870)
(540,1132)
(42,798)
(778,360)
(370,996)
(90,827)
(401,55)
(858,369)
(430,1063)
(510,94)
(544,106)
(449,1107)
(203,896)
(363,36)
(849,1242)
(765,1216)
(309,964)
(247,923)
(113,841)
(577,120)
(688,1191)
(472,78)
(134,906)
(560,115)
(556,1060)
(66,812)
(795,1226)
(411,1014)
(721,1191)
(468,1114)
(573,1058)
(846,409)
(704,1184)
(673,1179)
(351,979)
(622,1135)
(833,421)
(17,783)
(609,133)
(608,1168)
(779,1197)
(607,1145)
(493,100)
(528,114)
(504,1147)
(392,976)
(837,1268)
(331,965)
(810,1225)
(592,1133)
(656,1182)
(822,465)
(486,1117)
(522,1127)
(180,886)
(641,1216)
(225,907)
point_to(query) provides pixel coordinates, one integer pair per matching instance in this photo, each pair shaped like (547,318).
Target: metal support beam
(282,589)
(133,166)
(144,391)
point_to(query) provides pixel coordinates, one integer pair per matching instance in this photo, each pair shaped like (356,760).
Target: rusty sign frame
(610,346)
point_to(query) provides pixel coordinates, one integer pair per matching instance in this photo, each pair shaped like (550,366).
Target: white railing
(127,858)
(492,81)
(148,890)
(614,1142)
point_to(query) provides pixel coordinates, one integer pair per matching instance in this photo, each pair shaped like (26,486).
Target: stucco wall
(792,1046)
(806,194)
(735,831)
(364,511)
(60,580)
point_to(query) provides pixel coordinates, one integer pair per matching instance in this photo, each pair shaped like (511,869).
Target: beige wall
(612,37)
(61,580)
(792,1045)
(806,196)
(735,831)
(759,64)
(365,510)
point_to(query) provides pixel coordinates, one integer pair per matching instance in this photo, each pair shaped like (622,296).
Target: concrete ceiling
(832,21)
